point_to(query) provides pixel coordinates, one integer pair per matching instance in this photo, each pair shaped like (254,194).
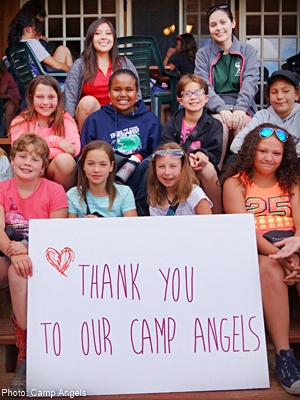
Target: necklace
(173,201)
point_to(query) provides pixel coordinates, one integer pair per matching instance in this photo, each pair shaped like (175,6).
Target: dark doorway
(152,17)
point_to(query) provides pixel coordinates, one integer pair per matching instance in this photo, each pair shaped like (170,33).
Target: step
(7,335)
(275,392)
(5,141)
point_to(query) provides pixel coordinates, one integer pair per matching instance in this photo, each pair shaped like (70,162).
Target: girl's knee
(63,162)
(270,270)
(87,105)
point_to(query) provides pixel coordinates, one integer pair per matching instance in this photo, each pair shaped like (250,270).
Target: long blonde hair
(157,192)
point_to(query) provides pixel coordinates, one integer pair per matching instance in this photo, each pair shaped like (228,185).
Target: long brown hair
(157,191)
(29,114)
(89,53)
(188,46)
(83,183)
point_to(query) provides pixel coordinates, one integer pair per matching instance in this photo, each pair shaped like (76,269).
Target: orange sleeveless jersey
(271,208)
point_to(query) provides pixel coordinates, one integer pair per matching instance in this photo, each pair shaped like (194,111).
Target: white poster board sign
(144,305)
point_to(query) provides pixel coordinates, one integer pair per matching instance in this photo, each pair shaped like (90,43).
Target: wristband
(167,56)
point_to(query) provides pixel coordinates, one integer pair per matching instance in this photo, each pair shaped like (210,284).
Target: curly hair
(89,53)
(288,173)
(188,46)
(157,192)
(40,146)
(19,23)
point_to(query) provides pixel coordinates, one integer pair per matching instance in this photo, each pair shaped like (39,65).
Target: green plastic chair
(134,46)
(20,56)
(140,55)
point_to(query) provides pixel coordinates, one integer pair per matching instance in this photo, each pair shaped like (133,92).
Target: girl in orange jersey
(264,180)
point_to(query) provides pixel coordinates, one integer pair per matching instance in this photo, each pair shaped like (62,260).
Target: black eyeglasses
(197,93)
(215,8)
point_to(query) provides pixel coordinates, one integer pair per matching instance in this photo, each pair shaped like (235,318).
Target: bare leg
(18,293)
(11,110)
(275,302)
(225,140)
(208,178)
(62,170)
(63,55)
(86,106)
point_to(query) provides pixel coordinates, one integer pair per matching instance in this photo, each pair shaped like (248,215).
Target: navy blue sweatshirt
(137,132)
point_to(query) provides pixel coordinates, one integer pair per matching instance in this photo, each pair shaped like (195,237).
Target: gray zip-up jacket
(208,56)
(291,123)
(73,84)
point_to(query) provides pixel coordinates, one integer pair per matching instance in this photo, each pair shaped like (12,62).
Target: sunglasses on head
(176,153)
(215,8)
(265,133)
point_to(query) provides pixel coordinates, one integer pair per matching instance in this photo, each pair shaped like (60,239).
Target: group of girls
(87,82)
(86,88)
(264,180)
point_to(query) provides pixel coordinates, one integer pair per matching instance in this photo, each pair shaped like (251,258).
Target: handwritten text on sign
(137,305)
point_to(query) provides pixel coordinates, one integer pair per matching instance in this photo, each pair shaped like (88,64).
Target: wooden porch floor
(275,392)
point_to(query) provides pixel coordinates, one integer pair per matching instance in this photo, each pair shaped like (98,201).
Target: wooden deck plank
(273,393)
(5,141)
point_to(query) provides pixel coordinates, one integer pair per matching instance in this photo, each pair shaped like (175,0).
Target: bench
(5,141)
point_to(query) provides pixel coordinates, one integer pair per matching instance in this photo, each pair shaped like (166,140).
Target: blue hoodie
(137,132)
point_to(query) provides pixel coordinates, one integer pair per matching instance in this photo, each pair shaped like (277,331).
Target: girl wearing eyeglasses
(230,68)
(264,181)
(199,134)
(173,189)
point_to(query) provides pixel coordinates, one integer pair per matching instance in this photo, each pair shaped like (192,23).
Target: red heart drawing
(61,261)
